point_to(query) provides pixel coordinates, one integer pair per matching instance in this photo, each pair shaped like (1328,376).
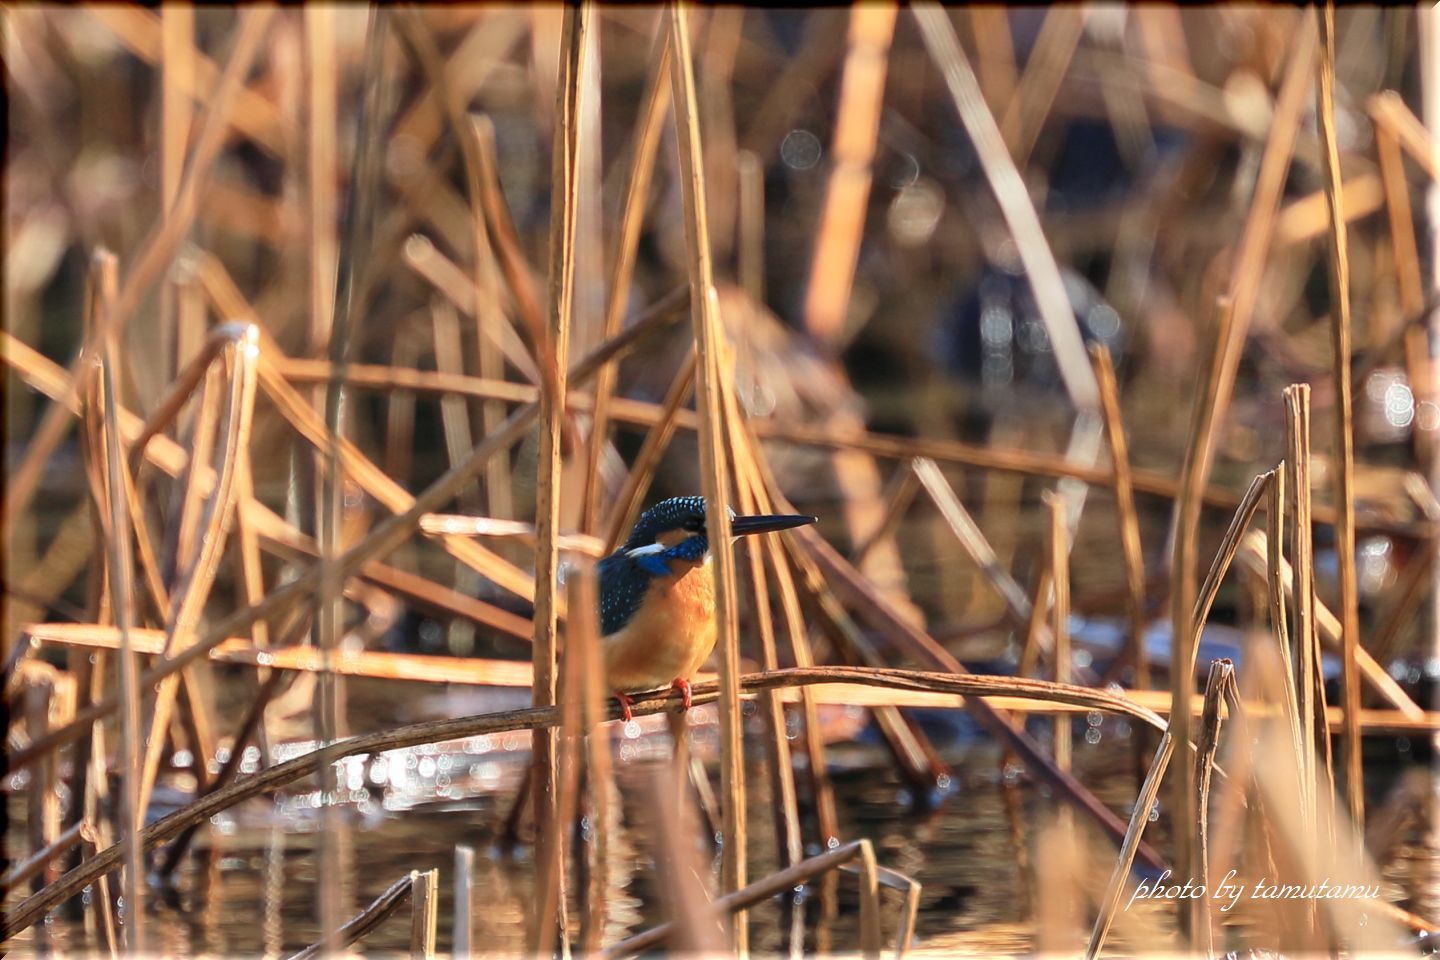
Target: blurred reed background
(340,341)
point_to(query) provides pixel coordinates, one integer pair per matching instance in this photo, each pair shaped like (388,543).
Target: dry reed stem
(639,413)
(159,246)
(968,532)
(1398,212)
(1149,790)
(915,759)
(1059,549)
(187,604)
(141,32)
(249,725)
(285,541)
(102,903)
(424,907)
(1388,110)
(680,872)
(422,256)
(711,372)
(1401,610)
(322,169)
(1361,924)
(519,277)
(750,226)
(363,922)
(1276,594)
(1045,69)
(489,362)
(880,613)
(1129,519)
(1220,564)
(869,903)
(120,564)
(797,634)
(1014,201)
(1297,442)
(1219,686)
(386,536)
(462,921)
(1204,420)
(452,523)
(755,893)
(1344,452)
(1329,628)
(41,859)
(847,193)
(548,920)
(379,484)
(644,147)
(581,640)
(645,703)
(1255,239)
(749,492)
(455,418)
(899,495)
(508,673)
(637,483)
(599,777)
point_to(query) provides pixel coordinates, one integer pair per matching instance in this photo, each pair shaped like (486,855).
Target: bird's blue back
(625,578)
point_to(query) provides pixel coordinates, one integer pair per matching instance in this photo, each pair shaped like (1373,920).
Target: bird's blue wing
(622,585)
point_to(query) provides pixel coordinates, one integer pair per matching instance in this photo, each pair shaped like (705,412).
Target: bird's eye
(695,524)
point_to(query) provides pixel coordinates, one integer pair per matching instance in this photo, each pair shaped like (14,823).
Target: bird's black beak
(766,523)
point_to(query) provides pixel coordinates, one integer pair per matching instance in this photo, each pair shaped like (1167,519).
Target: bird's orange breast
(670,636)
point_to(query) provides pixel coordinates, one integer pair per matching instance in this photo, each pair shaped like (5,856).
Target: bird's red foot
(624,706)
(683,686)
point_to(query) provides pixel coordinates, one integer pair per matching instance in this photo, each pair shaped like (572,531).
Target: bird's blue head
(674,531)
(668,537)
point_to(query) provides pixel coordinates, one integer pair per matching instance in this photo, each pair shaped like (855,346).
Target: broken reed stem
(1144,803)
(970,686)
(363,922)
(1129,518)
(463,924)
(424,907)
(548,919)
(714,473)
(1297,442)
(1344,451)
(1276,591)
(1218,689)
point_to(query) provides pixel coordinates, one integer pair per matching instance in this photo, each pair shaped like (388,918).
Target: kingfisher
(657,596)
